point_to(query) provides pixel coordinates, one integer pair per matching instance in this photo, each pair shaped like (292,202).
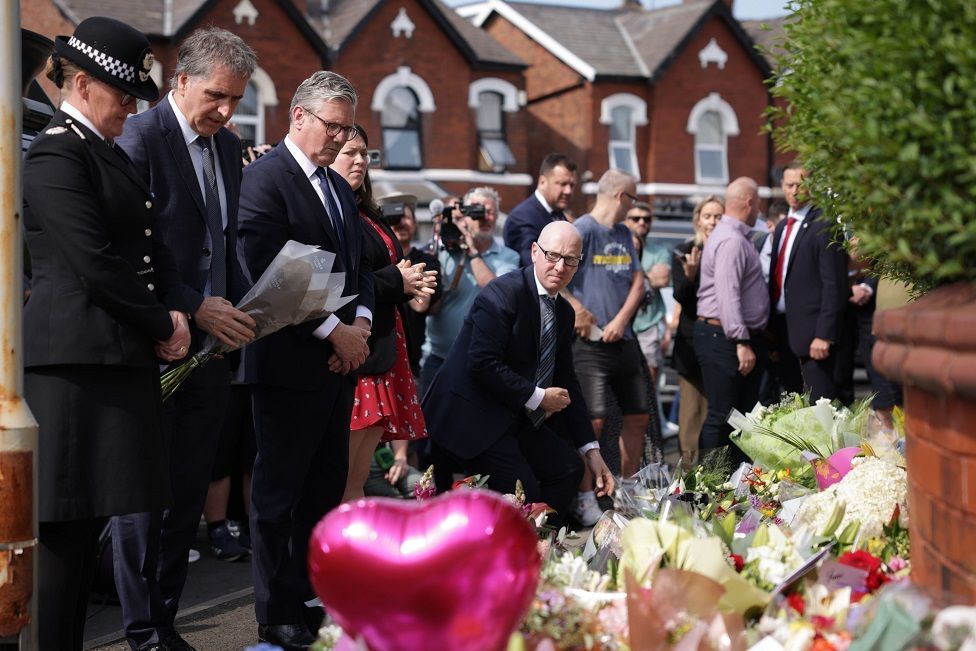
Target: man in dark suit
(553,192)
(808,292)
(506,402)
(302,388)
(192,164)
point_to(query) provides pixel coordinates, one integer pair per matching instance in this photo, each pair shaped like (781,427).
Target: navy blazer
(490,371)
(278,204)
(815,285)
(103,279)
(523,225)
(154,142)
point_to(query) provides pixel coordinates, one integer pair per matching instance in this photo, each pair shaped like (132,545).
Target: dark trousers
(150,550)
(859,339)
(66,555)
(548,466)
(299,475)
(785,367)
(818,376)
(725,387)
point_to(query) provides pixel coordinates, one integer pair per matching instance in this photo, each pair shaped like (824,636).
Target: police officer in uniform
(105,309)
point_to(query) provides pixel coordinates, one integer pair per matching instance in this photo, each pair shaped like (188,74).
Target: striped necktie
(547,353)
(215,221)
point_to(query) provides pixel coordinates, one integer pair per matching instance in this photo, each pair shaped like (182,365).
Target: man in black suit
(808,291)
(506,402)
(302,387)
(192,164)
(553,192)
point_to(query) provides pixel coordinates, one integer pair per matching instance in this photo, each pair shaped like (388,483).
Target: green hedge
(882,108)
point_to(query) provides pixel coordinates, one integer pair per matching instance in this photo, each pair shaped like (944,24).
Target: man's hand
(349,344)
(747,358)
(819,348)
(584,321)
(178,344)
(602,476)
(555,399)
(860,295)
(614,331)
(231,327)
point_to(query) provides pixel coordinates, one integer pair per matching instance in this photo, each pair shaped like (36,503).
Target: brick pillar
(930,346)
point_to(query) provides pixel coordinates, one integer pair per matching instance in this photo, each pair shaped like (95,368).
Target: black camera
(393,212)
(451,237)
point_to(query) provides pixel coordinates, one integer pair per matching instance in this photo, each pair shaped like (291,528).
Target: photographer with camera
(470,258)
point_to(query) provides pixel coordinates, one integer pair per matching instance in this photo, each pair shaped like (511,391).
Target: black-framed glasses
(126,98)
(630,196)
(553,257)
(333,129)
(647,219)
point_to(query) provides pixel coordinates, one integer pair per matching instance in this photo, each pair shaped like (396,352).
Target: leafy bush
(881,106)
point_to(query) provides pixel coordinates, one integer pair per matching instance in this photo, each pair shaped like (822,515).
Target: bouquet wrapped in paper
(298,286)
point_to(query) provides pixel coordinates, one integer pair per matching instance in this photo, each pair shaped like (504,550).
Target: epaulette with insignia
(56,131)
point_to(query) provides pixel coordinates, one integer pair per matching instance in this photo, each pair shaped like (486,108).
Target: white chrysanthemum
(871,491)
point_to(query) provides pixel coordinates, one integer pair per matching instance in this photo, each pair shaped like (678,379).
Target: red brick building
(674,95)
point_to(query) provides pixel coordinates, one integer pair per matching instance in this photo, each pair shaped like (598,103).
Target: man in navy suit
(506,402)
(302,386)
(554,191)
(808,291)
(192,164)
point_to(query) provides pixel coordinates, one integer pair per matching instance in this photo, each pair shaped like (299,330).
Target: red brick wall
(43,17)
(683,85)
(599,157)
(448,134)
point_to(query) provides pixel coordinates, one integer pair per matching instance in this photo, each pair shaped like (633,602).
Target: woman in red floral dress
(386,406)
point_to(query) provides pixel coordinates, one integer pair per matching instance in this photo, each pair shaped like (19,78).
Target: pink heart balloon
(831,470)
(455,572)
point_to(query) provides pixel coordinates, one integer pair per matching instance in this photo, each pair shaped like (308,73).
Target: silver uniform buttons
(148,232)
(151,287)
(146,259)
(149,204)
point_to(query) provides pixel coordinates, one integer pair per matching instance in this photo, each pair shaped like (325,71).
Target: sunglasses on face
(647,219)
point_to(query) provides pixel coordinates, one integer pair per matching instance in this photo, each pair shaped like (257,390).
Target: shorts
(618,366)
(650,345)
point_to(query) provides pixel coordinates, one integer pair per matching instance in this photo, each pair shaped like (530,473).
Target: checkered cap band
(107,63)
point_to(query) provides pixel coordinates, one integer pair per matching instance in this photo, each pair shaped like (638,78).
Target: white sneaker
(587,511)
(670,430)
(194,556)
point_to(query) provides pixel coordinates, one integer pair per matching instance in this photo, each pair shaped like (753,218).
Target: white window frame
(730,127)
(638,118)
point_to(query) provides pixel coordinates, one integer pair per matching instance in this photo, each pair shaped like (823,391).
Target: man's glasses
(333,129)
(553,257)
(647,219)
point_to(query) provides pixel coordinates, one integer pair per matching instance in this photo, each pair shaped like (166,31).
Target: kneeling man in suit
(506,402)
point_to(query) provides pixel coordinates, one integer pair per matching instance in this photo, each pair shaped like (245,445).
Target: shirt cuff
(324,330)
(363,311)
(592,445)
(867,288)
(535,399)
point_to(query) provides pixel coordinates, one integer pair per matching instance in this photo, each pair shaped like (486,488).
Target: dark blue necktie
(547,353)
(215,221)
(334,214)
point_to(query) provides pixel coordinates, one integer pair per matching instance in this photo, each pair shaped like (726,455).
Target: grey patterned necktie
(215,223)
(547,353)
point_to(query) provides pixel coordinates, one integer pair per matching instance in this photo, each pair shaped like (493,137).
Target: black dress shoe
(154,646)
(174,642)
(290,637)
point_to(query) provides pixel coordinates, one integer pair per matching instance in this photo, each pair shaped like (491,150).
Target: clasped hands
(349,345)
(417,281)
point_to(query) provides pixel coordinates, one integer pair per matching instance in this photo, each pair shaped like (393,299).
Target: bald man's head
(742,200)
(561,241)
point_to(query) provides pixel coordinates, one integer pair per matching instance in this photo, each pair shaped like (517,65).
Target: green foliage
(881,107)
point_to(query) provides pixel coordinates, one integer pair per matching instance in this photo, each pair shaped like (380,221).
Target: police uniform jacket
(103,281)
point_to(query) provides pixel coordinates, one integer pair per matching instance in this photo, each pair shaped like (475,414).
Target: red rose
(738,562)
(795,601)
(861,560)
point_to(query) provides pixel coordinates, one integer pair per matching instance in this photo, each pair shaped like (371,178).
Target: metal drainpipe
(18,429)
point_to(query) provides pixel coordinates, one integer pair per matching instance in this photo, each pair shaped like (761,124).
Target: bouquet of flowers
(297,286)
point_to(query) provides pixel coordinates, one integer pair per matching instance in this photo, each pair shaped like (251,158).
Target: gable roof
(344,19)
(151,18)
(612,43)
(769,35)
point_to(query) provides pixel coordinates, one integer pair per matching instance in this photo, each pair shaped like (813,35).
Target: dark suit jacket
(103,280)
(155,144)
(522,227)
(278,204)
(490,370)
(815,285)
(388,292)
